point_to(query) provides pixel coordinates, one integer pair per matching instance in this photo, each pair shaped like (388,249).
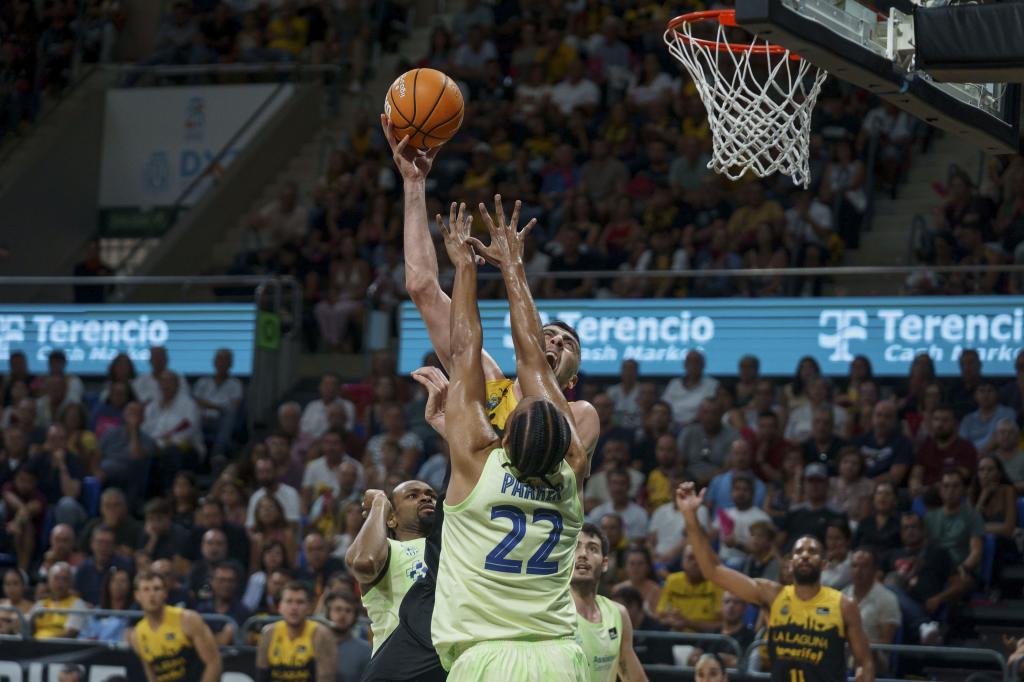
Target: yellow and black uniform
(291,660)
(167,649)
(501,401)
(807,639)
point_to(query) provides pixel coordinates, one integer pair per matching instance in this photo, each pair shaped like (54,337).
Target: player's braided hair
(538,439)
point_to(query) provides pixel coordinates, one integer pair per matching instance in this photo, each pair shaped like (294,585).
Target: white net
(759,100)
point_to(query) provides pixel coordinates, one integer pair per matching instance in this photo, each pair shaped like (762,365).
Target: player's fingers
(440,224)
(485,252)
(526,230)
(515,216)
(461,219)
(432,152)
(499,210)
(402,144)
(486,217)
(451,216)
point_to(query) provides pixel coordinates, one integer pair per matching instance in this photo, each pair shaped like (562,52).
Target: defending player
(562,343)
(604,630)
(173,643)
(296,649)
(513,507)
(808,624)
(387,555)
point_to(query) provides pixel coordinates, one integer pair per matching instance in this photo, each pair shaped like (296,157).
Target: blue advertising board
(91,335)
(779,331)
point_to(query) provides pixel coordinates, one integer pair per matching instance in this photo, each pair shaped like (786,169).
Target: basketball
(426,105)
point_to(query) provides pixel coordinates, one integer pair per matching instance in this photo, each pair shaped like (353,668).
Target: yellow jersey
(806,639)
(167,649)
(292,660)
(501,400)
(695,601)
(49,625)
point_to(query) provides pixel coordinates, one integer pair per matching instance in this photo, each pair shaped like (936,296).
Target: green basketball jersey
(405,566)
(507,554)
(600,641)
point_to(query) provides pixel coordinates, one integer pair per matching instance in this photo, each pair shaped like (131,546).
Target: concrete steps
(888,241)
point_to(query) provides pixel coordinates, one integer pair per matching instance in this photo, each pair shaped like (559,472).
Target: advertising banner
(39,661)
(157,141)
(779,331)
(91,335)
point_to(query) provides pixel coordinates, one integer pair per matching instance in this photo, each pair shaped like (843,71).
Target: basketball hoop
(759,115)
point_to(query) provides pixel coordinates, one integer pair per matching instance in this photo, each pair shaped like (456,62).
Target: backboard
(874,49)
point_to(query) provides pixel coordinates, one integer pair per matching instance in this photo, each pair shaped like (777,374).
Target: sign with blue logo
(158,141)
(779,331)
(91,335)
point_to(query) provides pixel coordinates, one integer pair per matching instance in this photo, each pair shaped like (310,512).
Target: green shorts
(512,661)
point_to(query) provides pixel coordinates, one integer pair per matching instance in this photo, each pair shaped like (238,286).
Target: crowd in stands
(904,482)
(975,224)
(578,110)
(40,44)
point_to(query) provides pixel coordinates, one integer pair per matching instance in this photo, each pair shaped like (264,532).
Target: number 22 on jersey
(538,564)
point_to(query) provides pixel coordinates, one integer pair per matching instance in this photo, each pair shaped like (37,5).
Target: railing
(26,630)
(944,653)
(119,613)
(685,638)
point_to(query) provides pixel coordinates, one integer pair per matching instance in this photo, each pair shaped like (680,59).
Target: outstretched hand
(457,241)
(687,498)
(436,383)
(413,164)
(506,247)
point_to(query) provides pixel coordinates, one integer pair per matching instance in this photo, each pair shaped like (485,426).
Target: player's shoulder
(267,631)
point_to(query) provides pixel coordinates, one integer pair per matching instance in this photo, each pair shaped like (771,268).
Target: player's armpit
(326,654)
(205,644)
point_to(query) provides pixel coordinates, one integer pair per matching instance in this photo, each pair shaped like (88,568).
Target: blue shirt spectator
(979,425)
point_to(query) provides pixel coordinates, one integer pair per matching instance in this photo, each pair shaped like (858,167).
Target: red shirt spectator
(942,450)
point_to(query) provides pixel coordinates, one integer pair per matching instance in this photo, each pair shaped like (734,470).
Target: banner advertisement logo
(92,335)
(658,334)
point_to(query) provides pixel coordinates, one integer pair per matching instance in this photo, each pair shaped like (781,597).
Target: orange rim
(725,17)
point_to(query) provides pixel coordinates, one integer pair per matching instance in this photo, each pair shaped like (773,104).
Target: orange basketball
(426,105)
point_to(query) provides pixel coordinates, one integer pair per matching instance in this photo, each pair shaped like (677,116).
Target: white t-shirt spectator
(741,522)
(668,526)
(798,426)
(663,85)
(227,395)
(319,476)
(76,389)
(634,518)
(568,96)
(314,417)
(374,446)
(175,424)
(878,608)
(801,231)
(597,485)
(685,401)
(147,387)
(286,495)
(530,98)
(469,58)
(626,409)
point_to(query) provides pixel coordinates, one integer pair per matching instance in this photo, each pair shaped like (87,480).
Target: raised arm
(421,279)
(368,555)
(754,591)
(464,410)
(506,250)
